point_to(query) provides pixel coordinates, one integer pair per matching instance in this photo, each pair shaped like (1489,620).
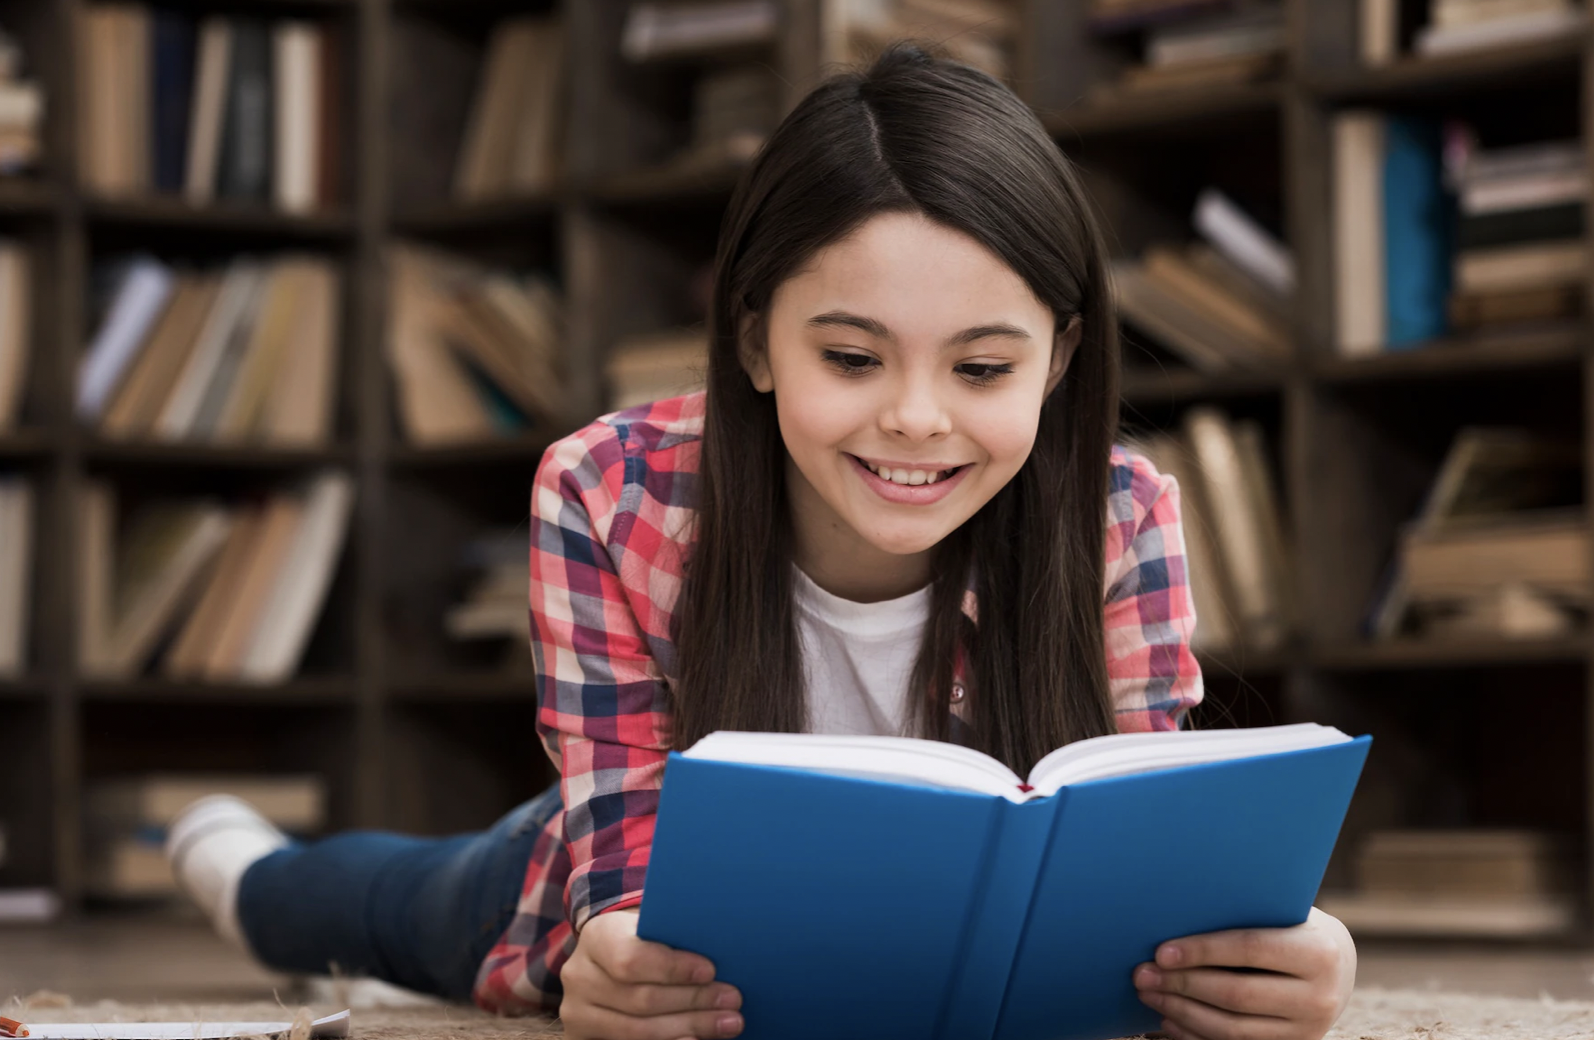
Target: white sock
(210,845)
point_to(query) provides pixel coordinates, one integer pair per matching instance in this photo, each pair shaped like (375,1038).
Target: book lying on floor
(320,1029)
(898,868)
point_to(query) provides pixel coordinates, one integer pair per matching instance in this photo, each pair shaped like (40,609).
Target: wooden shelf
(1560,346)
(25,444)
(1424,79)
(509,216)
(23,688)
(213,456)
(329,691)
(1400,654)
(28,196)
(528,448)
(1187,111)
(220,219)
(465,686)
(1141,386)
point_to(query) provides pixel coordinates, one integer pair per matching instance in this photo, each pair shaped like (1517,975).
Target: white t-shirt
(858,658)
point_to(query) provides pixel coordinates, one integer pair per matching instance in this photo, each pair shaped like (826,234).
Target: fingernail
(1171,955)
(1148,976)
(727,999)
(729,1025)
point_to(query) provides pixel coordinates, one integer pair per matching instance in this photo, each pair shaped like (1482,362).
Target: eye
(848,363)
(983,375)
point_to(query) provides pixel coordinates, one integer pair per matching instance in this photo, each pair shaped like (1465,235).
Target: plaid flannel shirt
(611,522)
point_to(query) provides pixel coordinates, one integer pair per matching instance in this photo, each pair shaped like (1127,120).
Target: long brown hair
(914,134)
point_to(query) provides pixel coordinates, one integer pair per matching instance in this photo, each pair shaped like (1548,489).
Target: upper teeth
(907,476)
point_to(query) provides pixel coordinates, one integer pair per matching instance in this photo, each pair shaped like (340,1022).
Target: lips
(908,494)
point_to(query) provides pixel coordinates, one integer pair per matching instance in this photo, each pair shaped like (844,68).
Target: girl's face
(908,365)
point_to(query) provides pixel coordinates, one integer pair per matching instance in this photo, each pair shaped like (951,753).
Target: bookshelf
(419,733)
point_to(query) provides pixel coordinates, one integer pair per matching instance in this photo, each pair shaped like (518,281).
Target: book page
(327,1028)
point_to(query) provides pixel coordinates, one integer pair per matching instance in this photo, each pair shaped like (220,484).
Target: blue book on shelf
(927,912)
(173,42)
(1418,219)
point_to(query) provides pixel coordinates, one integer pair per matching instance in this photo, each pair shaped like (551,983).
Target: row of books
(126,820)
(1499,548)
(1236,549)
(16,573)
(245,354)
(1458,26)
(213,591)
(1220,303)
(512,133)
(1411,265)
(475,351)
(1472,883)
(980,33)
(1195,45)
(21,110)
(237,109)
(16,329)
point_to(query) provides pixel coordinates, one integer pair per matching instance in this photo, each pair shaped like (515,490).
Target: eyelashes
(853,365)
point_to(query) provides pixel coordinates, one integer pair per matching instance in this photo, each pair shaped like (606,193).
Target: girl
(883,516)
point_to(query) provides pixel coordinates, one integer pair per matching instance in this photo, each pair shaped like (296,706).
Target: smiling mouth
(909,477)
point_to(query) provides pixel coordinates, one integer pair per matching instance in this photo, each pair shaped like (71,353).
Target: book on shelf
(688,28)
(1392,220)
(16,573)
(1041,890)
(1229,46)
(1475,882)
(246,355)
(22,106)
(654,366)
(1119,16)
(512,134)
(1466,561)
(475,351)
(226,593)
(1458,26)
(231,108)
(126,820)
(29,905)
(979,33)
(494,604)
(16,329)
(734,110)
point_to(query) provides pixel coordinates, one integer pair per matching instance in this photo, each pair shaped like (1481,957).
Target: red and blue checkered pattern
(610,525)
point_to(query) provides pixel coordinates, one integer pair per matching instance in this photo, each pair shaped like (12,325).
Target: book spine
(1417,219)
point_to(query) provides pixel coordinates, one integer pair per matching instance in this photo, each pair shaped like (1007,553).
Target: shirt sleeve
(1150,616)
(602,701)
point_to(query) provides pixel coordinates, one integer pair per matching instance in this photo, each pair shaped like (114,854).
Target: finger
(1215,1023)
(1270,949)
(1242,993)
(652,999)
(625,958)
(698,1025)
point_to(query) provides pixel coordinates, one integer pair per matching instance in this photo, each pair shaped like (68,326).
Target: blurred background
(294,293)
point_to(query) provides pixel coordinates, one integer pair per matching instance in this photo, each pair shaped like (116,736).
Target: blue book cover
(1419,216)
(173,43)
(931,913)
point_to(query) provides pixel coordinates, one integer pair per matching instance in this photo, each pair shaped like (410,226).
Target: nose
(915,409)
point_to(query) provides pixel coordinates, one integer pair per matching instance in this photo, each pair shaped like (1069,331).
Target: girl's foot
(210,845)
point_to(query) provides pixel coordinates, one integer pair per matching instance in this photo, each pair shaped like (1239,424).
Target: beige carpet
(1373,1015)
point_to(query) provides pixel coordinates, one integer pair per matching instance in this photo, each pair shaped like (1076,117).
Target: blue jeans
(422,913)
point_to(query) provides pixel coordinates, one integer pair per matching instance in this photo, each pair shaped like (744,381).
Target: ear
(1063,348)
(754,355)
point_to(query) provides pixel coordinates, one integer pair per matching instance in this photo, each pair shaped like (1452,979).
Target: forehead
(906,270)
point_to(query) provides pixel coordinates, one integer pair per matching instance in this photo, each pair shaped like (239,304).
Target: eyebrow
(842,319)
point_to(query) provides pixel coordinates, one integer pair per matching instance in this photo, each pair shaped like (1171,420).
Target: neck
(838,560)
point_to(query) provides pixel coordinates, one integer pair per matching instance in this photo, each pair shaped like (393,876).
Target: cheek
(1005,435)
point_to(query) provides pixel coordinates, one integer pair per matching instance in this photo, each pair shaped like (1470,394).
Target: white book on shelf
(297,83)
(654,30)
(1360,325)
(1244,241)
(213,63)
(16,555)
(1525,191)
(1448,14)
(140,299)
(1434,41)
(233,308)
(296,598)
(16,322)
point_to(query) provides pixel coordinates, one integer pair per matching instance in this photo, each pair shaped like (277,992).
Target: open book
(913,761)
(912,888)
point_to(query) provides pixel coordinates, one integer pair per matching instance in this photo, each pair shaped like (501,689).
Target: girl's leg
(422,913)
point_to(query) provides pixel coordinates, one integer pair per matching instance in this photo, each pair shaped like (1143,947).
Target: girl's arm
(603,716)
(1149,615)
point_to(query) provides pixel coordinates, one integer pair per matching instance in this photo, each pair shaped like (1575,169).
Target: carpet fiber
(1373,1015)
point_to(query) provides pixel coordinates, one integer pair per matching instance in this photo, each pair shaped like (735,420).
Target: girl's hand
(1313,968)
(619,987)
